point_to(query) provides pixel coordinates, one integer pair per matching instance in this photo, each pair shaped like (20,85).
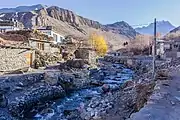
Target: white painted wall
(178,54)
(8,28)
(52,33)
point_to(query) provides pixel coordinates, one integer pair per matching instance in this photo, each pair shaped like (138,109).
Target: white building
(8,26)
(49,31)
(168,49)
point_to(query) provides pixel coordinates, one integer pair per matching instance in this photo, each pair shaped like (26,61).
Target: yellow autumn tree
(99,44)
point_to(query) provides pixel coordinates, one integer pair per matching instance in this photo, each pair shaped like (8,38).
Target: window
(55,37)
(175,46)
(170,48)
(179,48)
(61,39)
(40,46)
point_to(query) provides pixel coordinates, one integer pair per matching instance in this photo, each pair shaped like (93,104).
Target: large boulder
(77,63)
(51,78)
(66,81)
(26,102)
(3,100)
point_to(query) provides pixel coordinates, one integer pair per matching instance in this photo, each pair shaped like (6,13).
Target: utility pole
(154,50)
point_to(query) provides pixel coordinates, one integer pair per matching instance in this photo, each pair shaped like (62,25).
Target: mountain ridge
(66,22)
(22,8)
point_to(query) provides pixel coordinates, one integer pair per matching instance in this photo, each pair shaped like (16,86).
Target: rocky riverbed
(90,102)
(106,92)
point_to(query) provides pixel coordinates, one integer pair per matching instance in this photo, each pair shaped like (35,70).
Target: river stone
(89,109)
(111,82)
(3,100)
(20,84)
(66,81)
(18,89)
(51,78)
(76,63)
(127,84)
(92,113)
(92,71)
(106,88)
(47,111)
(96,83)
(110,87)
(96,117)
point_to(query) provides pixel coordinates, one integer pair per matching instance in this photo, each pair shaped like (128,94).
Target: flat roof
(6,23)
(35,39)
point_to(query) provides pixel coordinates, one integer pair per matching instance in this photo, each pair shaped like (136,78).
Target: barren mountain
(173,34)
(121,28)
(22,8)
(163,27)
(67,22)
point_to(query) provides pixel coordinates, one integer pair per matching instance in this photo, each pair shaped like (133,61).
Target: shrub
(99,44)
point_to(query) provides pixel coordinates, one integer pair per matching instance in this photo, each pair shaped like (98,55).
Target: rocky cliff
(68,16)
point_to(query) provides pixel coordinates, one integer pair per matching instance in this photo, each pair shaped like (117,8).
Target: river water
(74,100)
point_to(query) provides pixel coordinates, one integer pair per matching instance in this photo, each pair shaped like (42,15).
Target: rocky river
(70,95)
(88,103)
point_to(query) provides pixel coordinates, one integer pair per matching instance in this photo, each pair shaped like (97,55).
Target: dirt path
(164,103)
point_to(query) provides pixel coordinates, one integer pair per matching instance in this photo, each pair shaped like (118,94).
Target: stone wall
(14,58)
(85,53)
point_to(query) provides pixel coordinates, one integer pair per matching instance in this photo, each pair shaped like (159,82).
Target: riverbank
(163,104)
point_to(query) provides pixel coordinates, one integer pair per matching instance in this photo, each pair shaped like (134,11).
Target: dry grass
(140,45)
(172,36)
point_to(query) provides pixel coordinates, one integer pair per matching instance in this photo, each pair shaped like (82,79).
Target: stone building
(42,45)
(13,58)
(86,54)
(168,49)
(48,30)
(9,25)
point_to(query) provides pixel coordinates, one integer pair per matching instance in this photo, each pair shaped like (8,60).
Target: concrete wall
(13,59)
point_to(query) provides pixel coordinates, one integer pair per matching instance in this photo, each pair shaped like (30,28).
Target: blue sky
(109,11)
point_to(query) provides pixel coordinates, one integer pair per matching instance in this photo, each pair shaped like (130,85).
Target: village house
(9,25)
(48,30)
(39,44)
(168,49)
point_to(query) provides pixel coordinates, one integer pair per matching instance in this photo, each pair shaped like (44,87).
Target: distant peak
(121,22)
(163,22)
(163,26)
(54,7)
(23,8)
